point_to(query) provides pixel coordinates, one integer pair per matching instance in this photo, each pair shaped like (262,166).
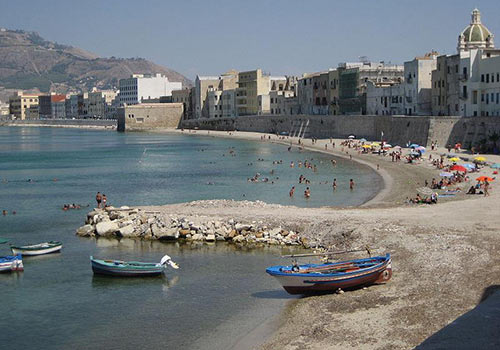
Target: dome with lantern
(475,35)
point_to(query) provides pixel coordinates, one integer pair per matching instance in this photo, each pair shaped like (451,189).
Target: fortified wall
(397,130)
(63,123)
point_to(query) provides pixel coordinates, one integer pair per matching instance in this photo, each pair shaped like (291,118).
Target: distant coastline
(63,123)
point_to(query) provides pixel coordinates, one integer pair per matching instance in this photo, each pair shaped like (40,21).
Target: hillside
(29,62)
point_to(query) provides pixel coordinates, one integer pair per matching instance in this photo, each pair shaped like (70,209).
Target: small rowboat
(11,263)
(329,277)
(131,268)
(37,249)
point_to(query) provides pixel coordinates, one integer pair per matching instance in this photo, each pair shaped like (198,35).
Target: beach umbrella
(446,174)
(454,159)
(363,140)
(398,147)
(425,191)
(351,137)
(484,178)
(375,144)
(458,168)
(366,146)
(387,145)
(420,149)
(495,166)
(480,159)
(414,145)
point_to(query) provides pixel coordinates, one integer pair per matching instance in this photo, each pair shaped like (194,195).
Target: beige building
(99,103)
(251,84)
(24,106)
(204,84)
(184,96)
(150,116)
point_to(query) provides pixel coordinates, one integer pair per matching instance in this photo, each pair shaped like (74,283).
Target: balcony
(463,77)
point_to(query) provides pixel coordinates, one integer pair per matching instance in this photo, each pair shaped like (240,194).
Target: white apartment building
(145,86)
(418,84)
(385,100)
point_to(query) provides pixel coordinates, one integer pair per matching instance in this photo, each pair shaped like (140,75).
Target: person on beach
(104,200)
(486,188)
(98,199)
(351,184)
(292,191)
(334,184)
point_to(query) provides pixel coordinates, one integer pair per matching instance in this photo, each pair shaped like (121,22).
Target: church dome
(475,35)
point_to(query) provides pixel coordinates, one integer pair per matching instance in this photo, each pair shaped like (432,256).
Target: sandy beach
(444,256)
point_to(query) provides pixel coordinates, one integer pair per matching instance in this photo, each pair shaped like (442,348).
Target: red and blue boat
(329,277)
(11,263)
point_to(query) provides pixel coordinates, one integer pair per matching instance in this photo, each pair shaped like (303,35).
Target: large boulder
(210,238)
(127,231)
(86,231)
(240,227)
(106,228)
(169,234)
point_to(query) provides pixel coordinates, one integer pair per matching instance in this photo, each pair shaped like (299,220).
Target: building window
(456,68)
(487,78)
(498,97)
(482,97)
(482,78)
(474,97)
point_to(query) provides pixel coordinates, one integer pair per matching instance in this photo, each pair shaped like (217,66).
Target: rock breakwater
(125,222)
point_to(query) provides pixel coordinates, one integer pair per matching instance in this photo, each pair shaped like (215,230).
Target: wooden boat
(11,263)
(37,249)
(329,277)
(131,268)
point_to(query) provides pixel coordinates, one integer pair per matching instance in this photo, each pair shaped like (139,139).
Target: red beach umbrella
(458,168)
(484,178)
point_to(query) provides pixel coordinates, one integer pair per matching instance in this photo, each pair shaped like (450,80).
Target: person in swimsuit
(351,184)
(292,191)
(334,184)
(98,199)
(104,200)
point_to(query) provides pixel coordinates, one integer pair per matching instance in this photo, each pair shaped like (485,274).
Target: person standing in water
(292,191)
(334,184)
(104,200)
(98,199)
(351,184)
(307,192)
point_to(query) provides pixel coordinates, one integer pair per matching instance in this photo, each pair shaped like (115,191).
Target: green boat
(131,268)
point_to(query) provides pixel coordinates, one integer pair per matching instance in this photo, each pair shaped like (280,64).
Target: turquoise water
(219,294)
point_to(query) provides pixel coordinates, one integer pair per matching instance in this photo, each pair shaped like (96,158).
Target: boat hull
(11,263)
(105,269)
(43,251)
(304,283)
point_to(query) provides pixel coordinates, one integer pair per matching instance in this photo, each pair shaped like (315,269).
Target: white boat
(11,263)
(37,249)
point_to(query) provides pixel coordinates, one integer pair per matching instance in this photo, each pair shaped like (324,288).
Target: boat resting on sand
(11,263)
(37,249)
(329,277)
(131,268)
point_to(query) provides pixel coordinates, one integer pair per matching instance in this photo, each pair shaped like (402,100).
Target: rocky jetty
(125,222)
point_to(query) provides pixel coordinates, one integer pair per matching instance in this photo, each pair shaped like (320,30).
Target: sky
(283,37)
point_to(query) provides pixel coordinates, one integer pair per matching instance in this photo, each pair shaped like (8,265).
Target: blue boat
(329,277)
(131,268)
(11,263)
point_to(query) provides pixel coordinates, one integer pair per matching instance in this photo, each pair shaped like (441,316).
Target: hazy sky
(280,36)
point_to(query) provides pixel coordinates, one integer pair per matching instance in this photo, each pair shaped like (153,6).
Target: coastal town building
(353,79)
(100,104)
(139,87)
(52,106)
(251,84)
(23,106)
(413,96)
(204,84)
(467,83)
(71,106)
(184,96)
(4,109)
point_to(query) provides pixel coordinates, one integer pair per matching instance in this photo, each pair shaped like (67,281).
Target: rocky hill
(29,62)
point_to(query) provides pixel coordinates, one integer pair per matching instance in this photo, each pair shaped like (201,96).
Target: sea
(220,298)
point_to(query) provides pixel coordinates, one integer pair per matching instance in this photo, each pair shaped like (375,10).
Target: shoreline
(444,258)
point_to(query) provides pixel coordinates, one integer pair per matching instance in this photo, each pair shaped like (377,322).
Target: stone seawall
(128,222)
(62,123)
(397,130)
